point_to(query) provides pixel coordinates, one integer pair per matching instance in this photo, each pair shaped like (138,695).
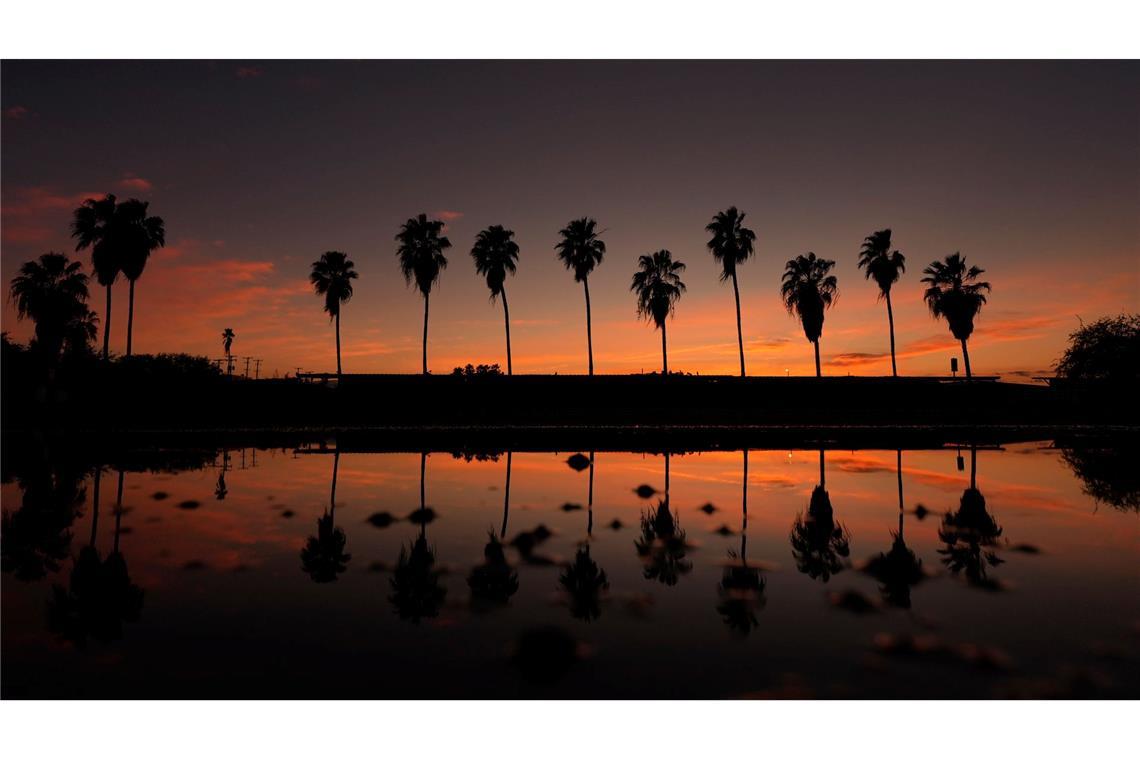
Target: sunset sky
(1031,170)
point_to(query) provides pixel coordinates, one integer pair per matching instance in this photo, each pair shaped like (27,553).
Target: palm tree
(417,592)
(741,587)
(52,292)
(662,545)
(93,226)
(227,344)
(135,236)
(658,286)
(808,290)
(884,266)
(731,245)
(496,255)
(900,568)
(954,292)
(580,250)
(971,535)
(421,259)
(332,277)
(820,545)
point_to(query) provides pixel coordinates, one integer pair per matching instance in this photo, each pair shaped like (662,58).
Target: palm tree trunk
(966,358)
(822,474)
(898,470)
(817,372)
(666,476)
(974,467)
(332,494)
(425,330)
(95,504)
(507,319)
(891,323)
(589,333)
(107,327)
(338,345)
(506,498)
(131,317)
(664,353)
(423,502)
(739,331)
(590,500)
(744,509)
(118,511)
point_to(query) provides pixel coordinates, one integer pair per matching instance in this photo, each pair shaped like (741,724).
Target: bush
(1105,351)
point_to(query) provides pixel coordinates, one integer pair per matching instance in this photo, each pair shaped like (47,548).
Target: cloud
(248,72)
(449,216)
(16,113)
(130,181)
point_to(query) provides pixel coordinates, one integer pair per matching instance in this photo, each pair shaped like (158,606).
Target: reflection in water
(323,556)
(899,569)
(100,596)
(417,591)
(741,587)
(970,535)
(1109,474)
(582,580)
(495,581)
(36,538)
(662,546)
(819,543)
(220,490)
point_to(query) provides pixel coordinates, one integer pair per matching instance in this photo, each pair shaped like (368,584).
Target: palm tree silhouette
(323,556)
(662,545)
(658,286)
(899,569)
(954,292)
(136,236)
(496,256)
(741,587)
(227,344)
(495,580)
(52,292)
(969,535)
(808,290)
(417,592)
(35,538)
(580,250)
(421,259)
(731,245)
(331,276)
(582,580)
(93,226)
(884,266)
(220,490)
(819,543)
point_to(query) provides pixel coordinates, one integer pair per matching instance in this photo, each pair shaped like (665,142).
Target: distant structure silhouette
(421,260)
(658,286)
(808,290)
(731,245)
(496,255)
(581,250)
(955,293)
(331,276)
(884,266)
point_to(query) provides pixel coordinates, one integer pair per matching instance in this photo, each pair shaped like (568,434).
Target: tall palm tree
(808,290)
(92,225)
(332,277)
(884,266)
(731,245)
(658,286)
(52,292)
(496,256)
(954,292)
(421,259)
(136,236)
(228,336)
(580,250)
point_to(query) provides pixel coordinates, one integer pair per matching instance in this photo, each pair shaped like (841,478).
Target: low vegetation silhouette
(1103,353)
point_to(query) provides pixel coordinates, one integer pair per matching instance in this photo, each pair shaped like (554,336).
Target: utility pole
(256,368)
(247,368)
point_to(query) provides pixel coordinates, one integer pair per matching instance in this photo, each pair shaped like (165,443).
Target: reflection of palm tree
(93,226)
(819,543)
(323,556)
(581,250)
(741,587)
(955,293)
(421,259)
(136,236)
(658,286)
(808,290)
(731,245)
(880,263)
(100,596)
(331,276)
(662,544)
(583,581)
(220,490)
(899,569)
(495,580)
(969,535)
(496,256)
(416,589)
(35,539)
(52,292)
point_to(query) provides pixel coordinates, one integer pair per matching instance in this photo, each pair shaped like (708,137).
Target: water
(1028,588)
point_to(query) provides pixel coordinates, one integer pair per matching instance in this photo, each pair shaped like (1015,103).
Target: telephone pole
(247,367)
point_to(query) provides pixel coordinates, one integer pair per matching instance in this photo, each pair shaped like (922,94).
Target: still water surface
(307,573)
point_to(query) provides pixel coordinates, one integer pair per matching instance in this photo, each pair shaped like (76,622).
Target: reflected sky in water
(255,575)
